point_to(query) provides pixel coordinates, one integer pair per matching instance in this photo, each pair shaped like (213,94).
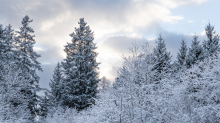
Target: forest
(150,87)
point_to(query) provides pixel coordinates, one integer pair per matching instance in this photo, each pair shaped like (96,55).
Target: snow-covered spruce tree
(7,51)
(1,45)
(195,53)
(181,55)
(162,58)
(56,85)
(27,62)
(180,64)
(80,69)
(1,31)
(46,107)
(7,48)
(211,45)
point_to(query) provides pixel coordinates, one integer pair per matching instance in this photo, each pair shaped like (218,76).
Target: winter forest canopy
(149,87)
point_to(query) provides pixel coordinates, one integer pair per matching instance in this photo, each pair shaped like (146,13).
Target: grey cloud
(173,41)
(51,55)
(13,11)
(111,10)
(101,14)
(46,75)
(120,45)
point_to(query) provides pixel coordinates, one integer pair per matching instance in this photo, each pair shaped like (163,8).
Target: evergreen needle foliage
(80,69)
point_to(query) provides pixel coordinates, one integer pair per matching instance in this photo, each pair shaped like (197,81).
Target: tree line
(148,87)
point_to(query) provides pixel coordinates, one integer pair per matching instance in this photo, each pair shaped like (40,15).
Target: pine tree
(56,84)
(7,51)
(80,69)
(162,58)
(1,46)
(196,52)
(7,48)
(28,58)
(1,31)
(27,62)
(181,55)
(211,45)
(45,106)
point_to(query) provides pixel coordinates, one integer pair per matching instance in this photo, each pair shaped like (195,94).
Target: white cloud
(172,19)
(143,14)
(48,24)
(109,19)
(106,20)
(190,21)
(176,3)
(126,21)
(200,1)
(37,49)
(152,39)
(203,33)
(121,23)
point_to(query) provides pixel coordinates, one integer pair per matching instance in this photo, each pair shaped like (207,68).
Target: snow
(148,87)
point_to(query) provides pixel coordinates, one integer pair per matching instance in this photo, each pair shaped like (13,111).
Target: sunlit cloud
(203,33)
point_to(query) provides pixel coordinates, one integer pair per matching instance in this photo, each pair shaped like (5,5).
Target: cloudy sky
(116,24)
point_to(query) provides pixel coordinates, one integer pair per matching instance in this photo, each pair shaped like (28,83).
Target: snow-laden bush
(103,111)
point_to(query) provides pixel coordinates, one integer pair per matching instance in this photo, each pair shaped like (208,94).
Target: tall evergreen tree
(56,84)
(162,57)
(181,55)
(7,51)
(27,62)
(1,31)
(28,58)
(7,48)
(196,52)
(1,46)
(80,69)
(1,40)
(46,105)
(211,45)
